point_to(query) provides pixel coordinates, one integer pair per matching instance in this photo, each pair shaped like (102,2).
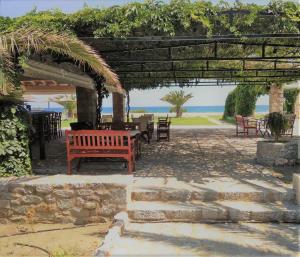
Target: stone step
(218,211)
(207,195)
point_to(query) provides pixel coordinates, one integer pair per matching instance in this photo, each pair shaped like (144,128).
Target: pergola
(253,59)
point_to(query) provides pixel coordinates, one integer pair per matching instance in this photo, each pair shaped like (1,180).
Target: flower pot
(277,153)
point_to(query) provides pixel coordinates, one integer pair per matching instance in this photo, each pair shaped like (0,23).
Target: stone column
(276,98)
(297,125)
(86,104)
(118,107)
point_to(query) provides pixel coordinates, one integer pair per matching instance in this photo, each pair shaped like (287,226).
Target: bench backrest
(97,139)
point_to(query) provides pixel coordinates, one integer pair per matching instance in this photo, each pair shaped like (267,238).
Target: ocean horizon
(166,109)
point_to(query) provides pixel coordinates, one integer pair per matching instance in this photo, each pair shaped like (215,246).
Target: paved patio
(191,156)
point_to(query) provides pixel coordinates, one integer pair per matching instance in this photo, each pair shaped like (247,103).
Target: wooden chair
(163,128)
(244,124)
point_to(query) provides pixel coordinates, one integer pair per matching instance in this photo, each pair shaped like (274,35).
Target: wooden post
(86,105)
(42,137)
(118,107)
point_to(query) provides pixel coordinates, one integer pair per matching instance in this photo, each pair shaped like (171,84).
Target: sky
(206,96)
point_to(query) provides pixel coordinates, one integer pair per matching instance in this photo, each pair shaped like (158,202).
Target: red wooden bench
(100,143)
(244,124)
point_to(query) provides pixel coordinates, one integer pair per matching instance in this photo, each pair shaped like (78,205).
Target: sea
(166,109)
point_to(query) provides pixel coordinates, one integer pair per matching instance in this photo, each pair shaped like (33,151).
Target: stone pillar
(297,125)
(296,187)
(118,107)
(276,98)
(86,104)
(297,112)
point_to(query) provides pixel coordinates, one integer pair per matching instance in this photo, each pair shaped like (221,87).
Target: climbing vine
(290,96)
(242,100)
(14,150)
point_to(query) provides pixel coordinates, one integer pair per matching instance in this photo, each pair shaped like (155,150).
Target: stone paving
(218,240)
(191,155)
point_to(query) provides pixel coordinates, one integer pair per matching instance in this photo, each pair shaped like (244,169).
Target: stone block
(176,195)
(20,219)
(63,193)
(31,199)
(85,192)
(96,219)
(238,215)
(16,188)
(43,189)
(19,209)
(214,213)
(50,199)
(64,204)
(277,153)
(90,205)
(147,215)
(4,204)
(185,215)
(3,221)
(79,212)
(296,187)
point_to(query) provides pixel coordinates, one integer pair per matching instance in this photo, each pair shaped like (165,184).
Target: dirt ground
(60,240)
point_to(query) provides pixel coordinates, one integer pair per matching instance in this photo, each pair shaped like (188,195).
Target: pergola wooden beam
(37,87)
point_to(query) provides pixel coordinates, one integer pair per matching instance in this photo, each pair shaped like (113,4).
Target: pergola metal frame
(139,60)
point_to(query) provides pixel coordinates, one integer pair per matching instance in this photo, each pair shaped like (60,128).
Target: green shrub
(277,123)
(229,110)
(245,102)
(14,150)
(290,96)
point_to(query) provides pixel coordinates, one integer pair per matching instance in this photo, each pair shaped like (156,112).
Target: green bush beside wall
(14,150)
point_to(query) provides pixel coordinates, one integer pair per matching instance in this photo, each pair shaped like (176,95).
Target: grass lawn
(198,120)
(66,123)
(192,121)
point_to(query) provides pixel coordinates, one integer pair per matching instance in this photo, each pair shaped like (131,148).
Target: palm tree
(177,99)
(25,41)
(68,102)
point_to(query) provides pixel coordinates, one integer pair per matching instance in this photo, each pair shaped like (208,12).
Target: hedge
(290,96)
(14,149)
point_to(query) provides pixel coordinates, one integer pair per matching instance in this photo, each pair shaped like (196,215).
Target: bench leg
(69,167)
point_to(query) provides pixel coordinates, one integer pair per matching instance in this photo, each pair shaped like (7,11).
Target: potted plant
(278,151)
(277,123)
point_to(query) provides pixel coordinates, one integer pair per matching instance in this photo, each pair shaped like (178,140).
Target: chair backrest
(81,125)
(240,120)
(97,139)
(149,116)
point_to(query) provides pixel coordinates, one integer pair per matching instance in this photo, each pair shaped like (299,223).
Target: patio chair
(83,125)
(263,127)
(244,124)
(163,128)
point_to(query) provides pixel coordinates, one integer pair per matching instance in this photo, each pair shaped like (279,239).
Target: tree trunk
(178,112)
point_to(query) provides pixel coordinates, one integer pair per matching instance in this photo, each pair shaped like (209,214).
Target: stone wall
(276,99)
(77,203)
(277,153)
